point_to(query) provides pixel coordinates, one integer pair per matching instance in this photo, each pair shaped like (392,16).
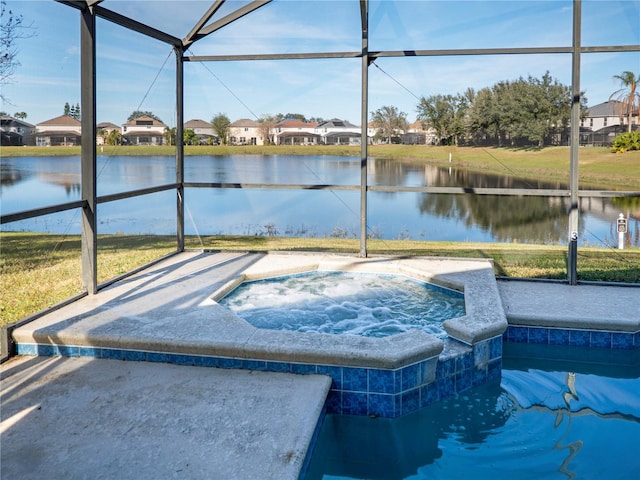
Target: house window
(605,121)
(591,122)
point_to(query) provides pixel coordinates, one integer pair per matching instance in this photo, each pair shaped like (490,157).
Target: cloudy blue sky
(137,73)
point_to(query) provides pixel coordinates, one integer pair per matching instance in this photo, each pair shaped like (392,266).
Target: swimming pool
(557,413)
(346,303)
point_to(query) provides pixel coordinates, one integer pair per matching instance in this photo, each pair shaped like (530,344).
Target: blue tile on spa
(494,370)
(446,387)
(409,376)
(179,359)
(464,380)
(48,350)
(481,353)
(93,352)
(333,403)
(428,394)
(622,341)
(579,338)
(158,357)
(381,405)
(257,365)
(427,371)
(601,339)
(112,354)
(539,336)
(495,348)
(382,381)
(334,372)
(479,376)
(558,337)
(281,367)
(464,362)
(354,403)
(31,349)
(410,401)
(446,368)
(205,361)
(229,363)
(303,368)
(135,356)
(354,379)
(519,334)
(68,351)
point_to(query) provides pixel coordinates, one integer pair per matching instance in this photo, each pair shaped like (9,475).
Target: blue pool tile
(226,362)
(48,350)
(354,379)
(636,340)
(446,387)
(464,380)
(303,368)
(446,368)
(93,352)
(622,341)
(410,401)
(427,371)
(428,394)
(579,338)
(204,361)
(381,405)
(257,365)
(409,377)
(334,402)
(539,336)
(464,362)
(282,367)
(354,403)
(558,336)
(495,348)
(135,356)
(68,351)
(26,349)
(179,359)
(382,381)
(479,375)
(481,353)
(494,370)
(157,357)
(112,354)
(600,339)
(518,334)
(334,372)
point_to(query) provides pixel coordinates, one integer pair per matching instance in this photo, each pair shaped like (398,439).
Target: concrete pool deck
(133,406)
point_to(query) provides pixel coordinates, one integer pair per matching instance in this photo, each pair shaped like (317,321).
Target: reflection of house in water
(70,181)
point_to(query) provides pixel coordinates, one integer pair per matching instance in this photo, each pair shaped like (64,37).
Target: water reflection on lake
(33,182)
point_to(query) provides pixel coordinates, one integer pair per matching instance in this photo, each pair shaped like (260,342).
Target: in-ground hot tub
(397,374)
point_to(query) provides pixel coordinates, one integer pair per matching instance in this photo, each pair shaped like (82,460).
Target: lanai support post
(89,242)
(179,148)
(364,14)
(572,256)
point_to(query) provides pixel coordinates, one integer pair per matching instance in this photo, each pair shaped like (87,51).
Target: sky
(135,72)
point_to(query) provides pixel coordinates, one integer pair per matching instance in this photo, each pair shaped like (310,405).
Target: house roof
(197,123)
(8,119)
(336,122)
(145,118)
(61,121)
(295,123)
(297,134)
(107,126)
(605,109)
(58,133)
(245,122)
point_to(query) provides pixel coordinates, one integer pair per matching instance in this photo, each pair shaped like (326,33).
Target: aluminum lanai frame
(90,9)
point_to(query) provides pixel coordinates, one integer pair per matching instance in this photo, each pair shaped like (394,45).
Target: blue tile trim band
(354,390)
(572,337)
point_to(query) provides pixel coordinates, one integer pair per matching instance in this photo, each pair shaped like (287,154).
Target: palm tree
(628,96)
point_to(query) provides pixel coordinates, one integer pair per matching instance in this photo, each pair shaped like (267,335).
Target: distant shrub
(626,141)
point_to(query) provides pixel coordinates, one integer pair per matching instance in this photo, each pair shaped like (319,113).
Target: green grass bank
(41,270)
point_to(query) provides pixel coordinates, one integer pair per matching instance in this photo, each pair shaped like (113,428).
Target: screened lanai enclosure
(342,59)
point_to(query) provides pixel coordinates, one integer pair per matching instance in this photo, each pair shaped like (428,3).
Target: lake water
(33,182)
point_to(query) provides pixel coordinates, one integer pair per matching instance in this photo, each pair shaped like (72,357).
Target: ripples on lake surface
(345,303)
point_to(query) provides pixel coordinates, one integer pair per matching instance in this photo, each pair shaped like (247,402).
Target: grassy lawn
(40,270)
(598,166)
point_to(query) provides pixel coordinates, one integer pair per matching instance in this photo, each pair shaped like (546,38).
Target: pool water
(575,419)
(345,303)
